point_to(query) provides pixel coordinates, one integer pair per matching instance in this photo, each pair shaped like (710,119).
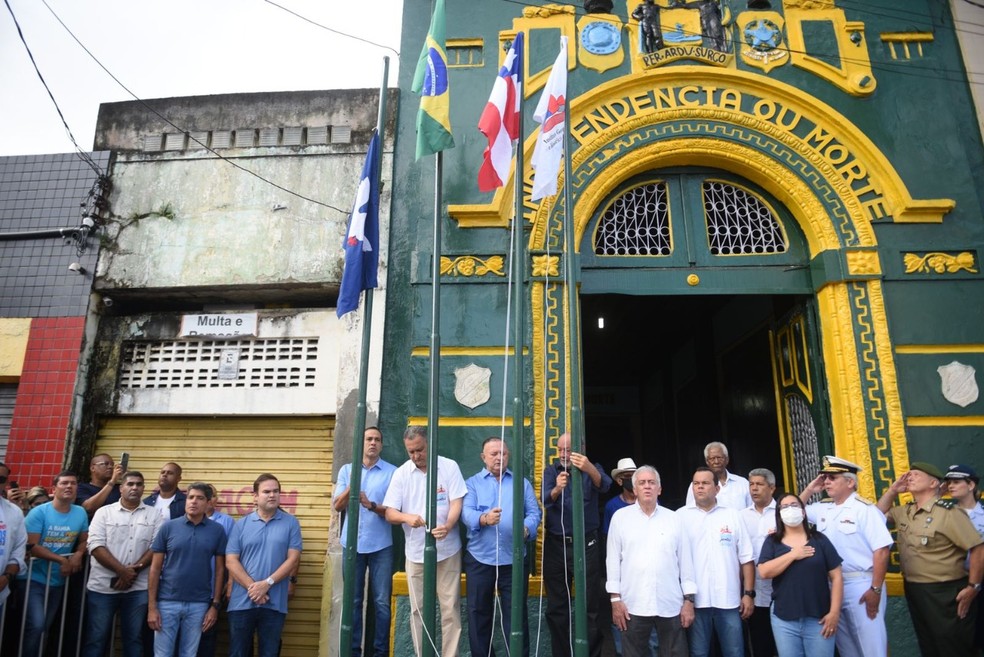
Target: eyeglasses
(830,477)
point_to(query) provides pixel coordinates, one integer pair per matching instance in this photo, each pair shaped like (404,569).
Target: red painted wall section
(36,447)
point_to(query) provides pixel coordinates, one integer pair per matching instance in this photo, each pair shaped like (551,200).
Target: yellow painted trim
(894,582)
(464,43)
(854,74)
(863,263)
(467,421)
(400,587)
(910,37)
(951,421)
(424,352)
(939,349)
(895,198)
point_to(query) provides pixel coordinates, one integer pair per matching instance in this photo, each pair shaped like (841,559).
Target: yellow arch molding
(697,81)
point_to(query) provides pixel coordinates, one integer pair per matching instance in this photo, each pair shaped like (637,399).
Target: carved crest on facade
(471,385)
(761,34)
(959,383)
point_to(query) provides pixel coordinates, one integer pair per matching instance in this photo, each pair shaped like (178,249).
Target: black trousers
(558,578)
(933,608)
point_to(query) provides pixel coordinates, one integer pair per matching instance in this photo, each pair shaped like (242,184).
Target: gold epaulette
(863,500)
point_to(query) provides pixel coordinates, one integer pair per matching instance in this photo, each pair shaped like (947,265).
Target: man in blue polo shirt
(488,514)
(264,550)
(374,552)
(182,594)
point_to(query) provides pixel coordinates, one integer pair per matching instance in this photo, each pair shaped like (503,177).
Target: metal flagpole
(577,420)
(433,414)
(518,292)
(355,482)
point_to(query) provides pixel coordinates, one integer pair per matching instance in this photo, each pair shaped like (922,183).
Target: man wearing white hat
(857,529)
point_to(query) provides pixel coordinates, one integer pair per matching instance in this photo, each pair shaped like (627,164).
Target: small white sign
(471,387)
(229,364)
(959,383)
(218,325)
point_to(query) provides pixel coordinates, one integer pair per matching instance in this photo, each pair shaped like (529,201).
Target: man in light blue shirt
(264,550)
(374,551)
(488,516)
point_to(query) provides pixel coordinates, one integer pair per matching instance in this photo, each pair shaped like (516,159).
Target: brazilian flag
(431,82)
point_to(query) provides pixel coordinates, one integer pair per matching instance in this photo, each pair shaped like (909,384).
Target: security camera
(107,302)
(88,221)
(76,268)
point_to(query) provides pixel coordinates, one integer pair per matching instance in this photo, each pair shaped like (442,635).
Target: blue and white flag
(362,242)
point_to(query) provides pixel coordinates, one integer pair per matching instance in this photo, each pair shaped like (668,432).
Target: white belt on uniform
(857,574)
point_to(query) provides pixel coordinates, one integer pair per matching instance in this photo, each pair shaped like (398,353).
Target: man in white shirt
(13,539)
(760,521)
(732,489)
(725,572)
(120,536)
(651,579)
(406,504)
(857,530)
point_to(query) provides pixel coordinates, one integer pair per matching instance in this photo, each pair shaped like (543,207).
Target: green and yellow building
(778,228)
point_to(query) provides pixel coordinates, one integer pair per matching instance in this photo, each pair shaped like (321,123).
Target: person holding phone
(103,485)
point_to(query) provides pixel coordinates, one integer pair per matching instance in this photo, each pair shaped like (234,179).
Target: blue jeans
(101,609)
(267,624)
(181,626)
(39,618)
(726,623)
(380,567)
(801,638)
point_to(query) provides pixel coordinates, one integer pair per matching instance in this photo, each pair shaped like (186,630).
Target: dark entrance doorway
(663,376)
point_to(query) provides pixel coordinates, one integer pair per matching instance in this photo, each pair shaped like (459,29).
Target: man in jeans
(182,594)
(57,532)
(264,552)
(120,537)
(374,549)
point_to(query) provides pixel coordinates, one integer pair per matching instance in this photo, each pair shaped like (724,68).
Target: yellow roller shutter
(229,453)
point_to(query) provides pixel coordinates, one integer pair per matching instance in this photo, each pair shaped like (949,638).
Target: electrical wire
(179,128)
(332,30)
(81,154)
(975,4)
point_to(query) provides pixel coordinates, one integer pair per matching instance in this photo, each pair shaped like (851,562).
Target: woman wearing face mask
(807,585)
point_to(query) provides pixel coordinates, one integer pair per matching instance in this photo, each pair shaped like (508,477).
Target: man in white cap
(857,529)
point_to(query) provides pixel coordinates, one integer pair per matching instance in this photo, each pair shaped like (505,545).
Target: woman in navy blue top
(807,584)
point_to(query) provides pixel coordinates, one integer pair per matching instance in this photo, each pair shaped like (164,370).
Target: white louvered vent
(317,135)
(221,138)
(174,141)
(245,137)
(197,140)
(269,136)
(263,363)
(293,136)
(341,134)
(152,143)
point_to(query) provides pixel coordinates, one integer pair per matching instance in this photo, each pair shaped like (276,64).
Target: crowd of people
(740,569)
(163,566)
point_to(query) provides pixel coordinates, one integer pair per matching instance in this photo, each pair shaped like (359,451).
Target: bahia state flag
(550,113)
(362,242)
(431,81)
(500,119)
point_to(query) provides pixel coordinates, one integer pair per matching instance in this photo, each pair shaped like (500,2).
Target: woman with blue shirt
(807,583)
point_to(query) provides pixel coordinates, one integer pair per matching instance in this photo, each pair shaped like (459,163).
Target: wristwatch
(750,594)
(877,589)
(269,581)
(372,506)
(976,587)
(292,579)
(689,597)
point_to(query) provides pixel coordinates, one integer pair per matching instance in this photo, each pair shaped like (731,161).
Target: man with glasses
(732,489)
(651,581)
(857,530)
(120,537)
(933,540)
(103,486)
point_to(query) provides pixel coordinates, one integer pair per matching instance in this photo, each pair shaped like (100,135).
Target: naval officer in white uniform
(857,529)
